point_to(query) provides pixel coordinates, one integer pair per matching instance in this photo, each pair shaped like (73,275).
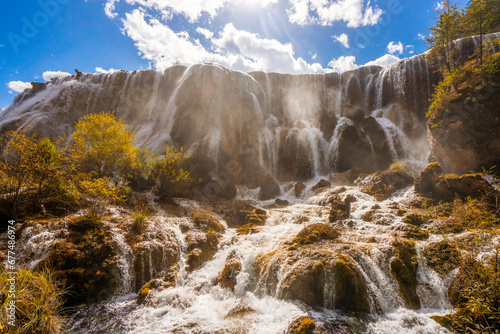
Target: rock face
(250,129)
(85,262)
(433,184)
(466,134)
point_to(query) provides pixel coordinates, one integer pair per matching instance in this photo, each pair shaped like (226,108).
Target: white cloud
(191,9)
(343,63)
(18,86)
(238,49)
(395,48)
(314,56)
(109,9)
(323,12)
(385,60)
(421,37)
(102,70)
(439,6)
(205,32)
(48,75)
(343,39)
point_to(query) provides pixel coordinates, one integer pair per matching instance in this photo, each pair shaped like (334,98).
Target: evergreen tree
(481,16)
(441,36)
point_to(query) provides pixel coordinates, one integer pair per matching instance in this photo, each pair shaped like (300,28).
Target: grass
(38,301)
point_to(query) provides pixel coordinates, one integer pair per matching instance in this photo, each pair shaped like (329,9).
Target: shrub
(101,192)
(140,222)
(103,146)
(30,172)
(172,178)
(39,303)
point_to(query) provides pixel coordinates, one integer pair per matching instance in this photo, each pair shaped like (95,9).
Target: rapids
(197,304)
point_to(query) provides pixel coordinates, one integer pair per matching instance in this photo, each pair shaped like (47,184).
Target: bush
(140,222)
(103,146)
(39,303)
(172,178)
(101,192)
(30,173)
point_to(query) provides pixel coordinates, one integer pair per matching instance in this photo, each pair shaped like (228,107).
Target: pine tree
(441,36)
(481,16)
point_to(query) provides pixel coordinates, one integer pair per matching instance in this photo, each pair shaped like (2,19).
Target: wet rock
(442,257)
(143,293)
(240,213)
(404,269)
(202,248)
(85,262)
(465,133)
(414,219)
(302,325)
(379,142)
(313,233)
(347,178)
(412,232)
(426,182)
(227,278)
(207,222)
(320,186)
(383,184)
(354,151)
(437,186)
(269,188)
(298,189)
(340,209)
(281,202)
(249,228)
(350,288)
(239,310)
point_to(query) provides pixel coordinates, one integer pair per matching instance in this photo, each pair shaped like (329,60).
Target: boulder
(383,184)
(227,277)
(298,189)
(85,262)
(201,247)
(404,270)
(321,185)
(313,233)
(301,325)
(239,213)
(433,184)
(354,150)
(340,209)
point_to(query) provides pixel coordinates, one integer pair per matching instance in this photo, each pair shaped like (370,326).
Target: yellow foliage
(38,301)
(103,145)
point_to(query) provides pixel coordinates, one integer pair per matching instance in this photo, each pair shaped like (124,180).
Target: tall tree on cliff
(442,50)
(481,17)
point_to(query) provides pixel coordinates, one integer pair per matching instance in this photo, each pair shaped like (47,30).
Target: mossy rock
(413,232)
(404,269)
(351,294)
(227,277)
(143,293)
(415,219)
(312,234)
(306,282)
(382,184)
(249,228)
(302,325)
(340,209)
(426,182)
(240,213)
(442,257)
(207,222)
(202,248)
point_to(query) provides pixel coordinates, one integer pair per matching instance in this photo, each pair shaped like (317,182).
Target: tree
(447,28)
(480,17)
(103,146)
(172,178)
(31,170)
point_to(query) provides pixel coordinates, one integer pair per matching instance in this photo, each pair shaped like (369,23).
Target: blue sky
(43,38)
